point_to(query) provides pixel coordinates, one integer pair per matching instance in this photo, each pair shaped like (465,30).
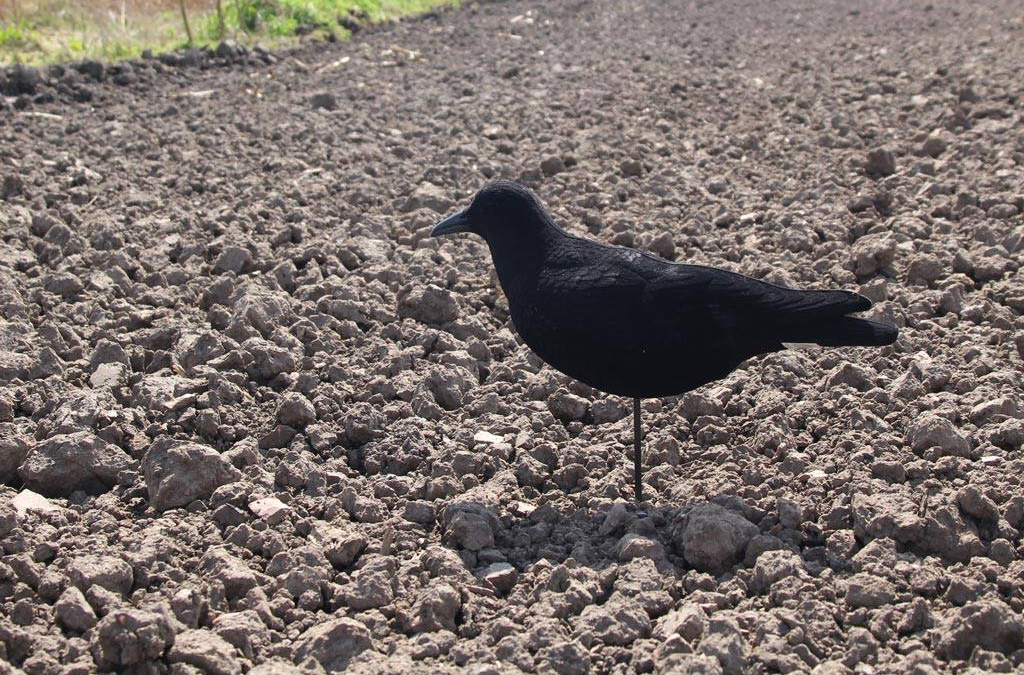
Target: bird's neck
(518,261)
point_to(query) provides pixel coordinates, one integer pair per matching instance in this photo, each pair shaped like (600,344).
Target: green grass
(50,31)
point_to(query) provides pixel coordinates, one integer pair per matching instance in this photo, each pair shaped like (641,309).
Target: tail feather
(844,331)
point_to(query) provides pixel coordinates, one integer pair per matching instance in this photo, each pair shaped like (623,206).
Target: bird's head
(502,211)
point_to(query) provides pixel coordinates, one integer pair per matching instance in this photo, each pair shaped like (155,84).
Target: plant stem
(184,18)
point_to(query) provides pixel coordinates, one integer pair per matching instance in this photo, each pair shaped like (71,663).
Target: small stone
(428,196)
(893,472)
(502,576)
(233,259)
(663,245)
(872,253)
(65,463)
(632,168)
(714,538)
(129,637)
(470,530)
(435,609)
(428,304)
(566,406)
(421,512)
(205,650)
(633,545)
(343,546)
(773,566)
(270,509)
(1002,551)
(935,144)
(551,166)
(27,501)
(931,431)
(867,590)
(977,505)
(73,611)
(295,410)
(107,571)
(988,624)
(619,622)
(880,162)
(179,472)
(324,101)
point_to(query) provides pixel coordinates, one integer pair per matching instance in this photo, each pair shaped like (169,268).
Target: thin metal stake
(638,439)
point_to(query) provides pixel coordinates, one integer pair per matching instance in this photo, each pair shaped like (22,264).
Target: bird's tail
(843,331)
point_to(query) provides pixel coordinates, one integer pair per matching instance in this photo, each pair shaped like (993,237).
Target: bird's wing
(741,300)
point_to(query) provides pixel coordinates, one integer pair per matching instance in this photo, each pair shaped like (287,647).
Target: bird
(632,324)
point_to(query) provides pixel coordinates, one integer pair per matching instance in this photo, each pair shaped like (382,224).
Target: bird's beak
(457,222)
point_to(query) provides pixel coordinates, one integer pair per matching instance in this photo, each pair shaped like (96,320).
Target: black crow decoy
(632,324)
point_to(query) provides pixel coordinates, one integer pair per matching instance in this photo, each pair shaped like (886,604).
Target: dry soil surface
(254,419)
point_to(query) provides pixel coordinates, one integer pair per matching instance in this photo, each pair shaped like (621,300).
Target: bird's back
(631,324)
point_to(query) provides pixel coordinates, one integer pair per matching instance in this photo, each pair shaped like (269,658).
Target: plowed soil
(254,419)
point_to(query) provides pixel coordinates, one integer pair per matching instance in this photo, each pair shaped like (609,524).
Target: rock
(880,162)
(633,545)
(232,572)
(691,664)
(470,524)
(8,518)
(932,431)
(607,410)
(772,566)
(926,269)
(295,410)
(435,609)
(370,586)
(342,546)
(867,590)
(619,622)
(233,259)
(107,571)
(853,375)
(266,360)
(725,642)
(179,472)
(323,101)
(428,304)
(713,538)
(27,501)
(1003,406)
(205,650)
(689,621)
(500,575)
(244,630)
(663,245)
(130,637)
(872,253)
(421,512)
(270,509)
(878,556)
(60,465)
(566,406)
(14,448)
(935,144)
(333,643)
(73,612)
(428,196)
(988,624)
(978,506)
(563,658)
(632,168)
(551,166)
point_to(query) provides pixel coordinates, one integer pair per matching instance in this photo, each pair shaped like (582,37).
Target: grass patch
(50,31)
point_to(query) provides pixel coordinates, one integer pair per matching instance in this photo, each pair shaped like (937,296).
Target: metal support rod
(638,439)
